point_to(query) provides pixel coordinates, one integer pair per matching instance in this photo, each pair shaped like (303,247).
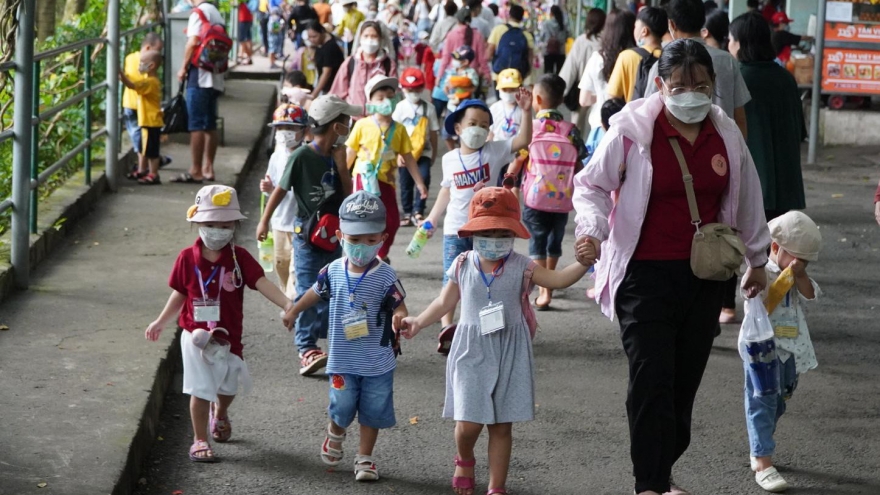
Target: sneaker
(770,480)
(365,468)
(312,361)
(753,463)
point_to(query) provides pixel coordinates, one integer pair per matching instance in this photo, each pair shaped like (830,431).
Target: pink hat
(215,204)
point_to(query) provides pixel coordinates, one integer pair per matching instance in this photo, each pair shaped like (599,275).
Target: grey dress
(490,378)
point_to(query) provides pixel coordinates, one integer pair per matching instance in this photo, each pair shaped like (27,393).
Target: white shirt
(594,81)
(790,312)
(482,26)
(193,28)
(505,122)
(462,172)
(285,213)
(409,115)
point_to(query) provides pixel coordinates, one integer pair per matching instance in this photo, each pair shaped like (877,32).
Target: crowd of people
(682,145)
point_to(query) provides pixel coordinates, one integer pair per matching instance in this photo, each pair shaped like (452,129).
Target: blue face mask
(493,248)
(385,107)
(360,255)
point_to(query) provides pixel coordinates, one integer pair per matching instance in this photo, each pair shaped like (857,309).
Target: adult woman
(463,34)
(667,315)
(372,55)
(553,36)
(618,36)
(327,59)
(775,116)
(576,61)
(422,15)
(715,29)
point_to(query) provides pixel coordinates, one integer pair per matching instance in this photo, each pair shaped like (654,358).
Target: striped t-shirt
(363,356)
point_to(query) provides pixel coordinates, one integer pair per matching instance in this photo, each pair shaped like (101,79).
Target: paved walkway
(75,371)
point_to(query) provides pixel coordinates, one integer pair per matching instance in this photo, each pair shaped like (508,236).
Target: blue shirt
(364,356)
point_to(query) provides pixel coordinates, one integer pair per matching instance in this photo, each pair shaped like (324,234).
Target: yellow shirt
(495,38)
(308,68)
(366,138)
(130,68)
(622,82)
(149,102)
(351,21)
(264,6)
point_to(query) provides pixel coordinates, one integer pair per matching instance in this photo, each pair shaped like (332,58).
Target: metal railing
(27,117)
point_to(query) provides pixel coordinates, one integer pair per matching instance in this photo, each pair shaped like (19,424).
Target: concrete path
(77,379)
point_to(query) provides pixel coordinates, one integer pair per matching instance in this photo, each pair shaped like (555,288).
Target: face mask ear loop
(237,279)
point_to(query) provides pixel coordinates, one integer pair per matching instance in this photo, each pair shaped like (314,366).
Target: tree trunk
(45,19)
(73,8)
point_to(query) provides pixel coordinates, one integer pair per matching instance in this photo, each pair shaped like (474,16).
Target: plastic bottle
(420,238)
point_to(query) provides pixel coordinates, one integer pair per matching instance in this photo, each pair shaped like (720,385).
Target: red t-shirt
(244,13)
(183,279)
(667,232)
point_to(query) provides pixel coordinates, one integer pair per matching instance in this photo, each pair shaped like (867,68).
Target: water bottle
(420,238)
(266,249)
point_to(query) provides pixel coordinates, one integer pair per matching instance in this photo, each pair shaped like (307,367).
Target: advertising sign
(844,31)
(851,71)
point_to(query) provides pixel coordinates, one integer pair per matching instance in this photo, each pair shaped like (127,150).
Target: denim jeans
(371,398)
(547,231)
(452,247)
(410,199)
(130,118)
(307,262)
(201,108)
(762,413)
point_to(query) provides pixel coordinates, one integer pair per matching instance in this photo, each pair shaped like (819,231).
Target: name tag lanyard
(476,174)
(509,122)
(496,272)
(203,286)
(352,290)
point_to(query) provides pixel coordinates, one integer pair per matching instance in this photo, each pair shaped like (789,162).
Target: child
(364,296)
(208,282)
(441,100)
(547,225)
(506,114)
(420,121)
(296,89)
(468,169)
(150,117)
(276,37)
(796,242)
(609,109)
(376,148)
(490,369)
(151,43)
(462,85)
(289,121)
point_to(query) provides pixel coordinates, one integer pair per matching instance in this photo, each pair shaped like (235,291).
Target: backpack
(645,65)
(512,52)
(420,134)
(386,66)
(212,54)
(549,177)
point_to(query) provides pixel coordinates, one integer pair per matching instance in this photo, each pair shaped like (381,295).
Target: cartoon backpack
(549,178)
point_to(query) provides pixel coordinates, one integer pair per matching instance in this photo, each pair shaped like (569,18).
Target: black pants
(264,30)
(667,323)
(729,301)
(553,63)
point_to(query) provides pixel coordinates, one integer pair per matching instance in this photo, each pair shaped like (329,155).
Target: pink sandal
(499,491)
(201,447)
(221,428)
(464,482)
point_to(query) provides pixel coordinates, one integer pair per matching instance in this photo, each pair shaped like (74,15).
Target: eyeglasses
(680,90)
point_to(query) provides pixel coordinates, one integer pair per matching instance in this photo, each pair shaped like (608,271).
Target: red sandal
(464,482)
(445,339)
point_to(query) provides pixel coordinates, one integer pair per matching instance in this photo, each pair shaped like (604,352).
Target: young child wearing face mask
(364,295)
(289,121)
(490,369)
(377,146)
(468,169)
(207,283)
(506,114)
(461,85)
(420,120)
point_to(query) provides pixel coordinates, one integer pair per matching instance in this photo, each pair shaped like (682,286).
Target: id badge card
(786,327)
(355,325)
(492,318)
(206,310)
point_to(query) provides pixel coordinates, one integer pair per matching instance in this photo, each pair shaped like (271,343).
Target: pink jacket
(615,217)
(455,40)
(351,87)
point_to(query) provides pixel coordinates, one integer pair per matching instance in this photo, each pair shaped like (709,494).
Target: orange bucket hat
(494,208)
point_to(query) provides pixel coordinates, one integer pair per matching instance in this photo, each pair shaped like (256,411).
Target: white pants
(204,380)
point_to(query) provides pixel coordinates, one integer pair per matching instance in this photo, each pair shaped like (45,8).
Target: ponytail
(468,35)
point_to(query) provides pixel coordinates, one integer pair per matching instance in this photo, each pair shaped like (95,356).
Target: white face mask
(288,138)
(340,140)
(215,239)
(413,97)
(493,248)
(690,107)
(507,97)
(305,38)
(474,137)
(369,45)
(456,64)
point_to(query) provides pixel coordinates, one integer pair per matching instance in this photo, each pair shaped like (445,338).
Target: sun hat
(494,208)
(327,108)
(797,234)
(362,213)
(378,82)
(452,118)
(780,18)
(464,52)
(289,114)
(412,77)
(215,204)
(509,79)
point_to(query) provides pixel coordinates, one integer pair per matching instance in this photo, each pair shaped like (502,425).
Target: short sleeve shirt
(283,218)
(462,172)
(375,147)
(622,83)
(594,81)
(329,55)
(205,79)
(130,68)
(149,102)
(506,121)
(312,178)
(183,279)
(364,356)
(409,115)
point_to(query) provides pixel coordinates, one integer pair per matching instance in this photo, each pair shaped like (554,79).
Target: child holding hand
(490,369)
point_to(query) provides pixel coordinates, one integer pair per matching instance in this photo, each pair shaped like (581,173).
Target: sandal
(149,180)
(406,221)
(365,468)
(312,361)
(201,447)
(187,178)
(135,175)
(418,217)
(445,339)
(221,428)
(209,178)
(329,455)
(464,482)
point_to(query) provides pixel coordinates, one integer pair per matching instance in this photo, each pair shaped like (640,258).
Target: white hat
(379,82)
(797,234)
(327,108)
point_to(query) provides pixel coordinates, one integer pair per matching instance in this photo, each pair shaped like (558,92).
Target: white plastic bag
(757,347)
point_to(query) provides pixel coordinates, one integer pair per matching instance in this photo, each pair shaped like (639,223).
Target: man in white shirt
(478,21)
(202,90)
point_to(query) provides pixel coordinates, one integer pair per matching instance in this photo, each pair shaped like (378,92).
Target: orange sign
(851,71)
(860,33)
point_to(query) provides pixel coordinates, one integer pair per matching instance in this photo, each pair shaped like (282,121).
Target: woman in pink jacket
(465,35)
(372,56)
(631,202)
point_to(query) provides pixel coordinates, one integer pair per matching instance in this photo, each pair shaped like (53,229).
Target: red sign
(851,71)
(860,33)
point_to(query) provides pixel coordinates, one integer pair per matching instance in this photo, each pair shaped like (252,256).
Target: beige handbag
(717,252)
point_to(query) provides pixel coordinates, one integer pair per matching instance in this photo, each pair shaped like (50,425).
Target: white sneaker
(770,480)
(753,463)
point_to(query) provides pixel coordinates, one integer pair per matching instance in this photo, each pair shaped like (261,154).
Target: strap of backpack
(688,183)
(202,16)
(458,262)
(642,52)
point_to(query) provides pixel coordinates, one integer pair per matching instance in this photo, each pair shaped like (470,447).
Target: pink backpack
(549,177)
